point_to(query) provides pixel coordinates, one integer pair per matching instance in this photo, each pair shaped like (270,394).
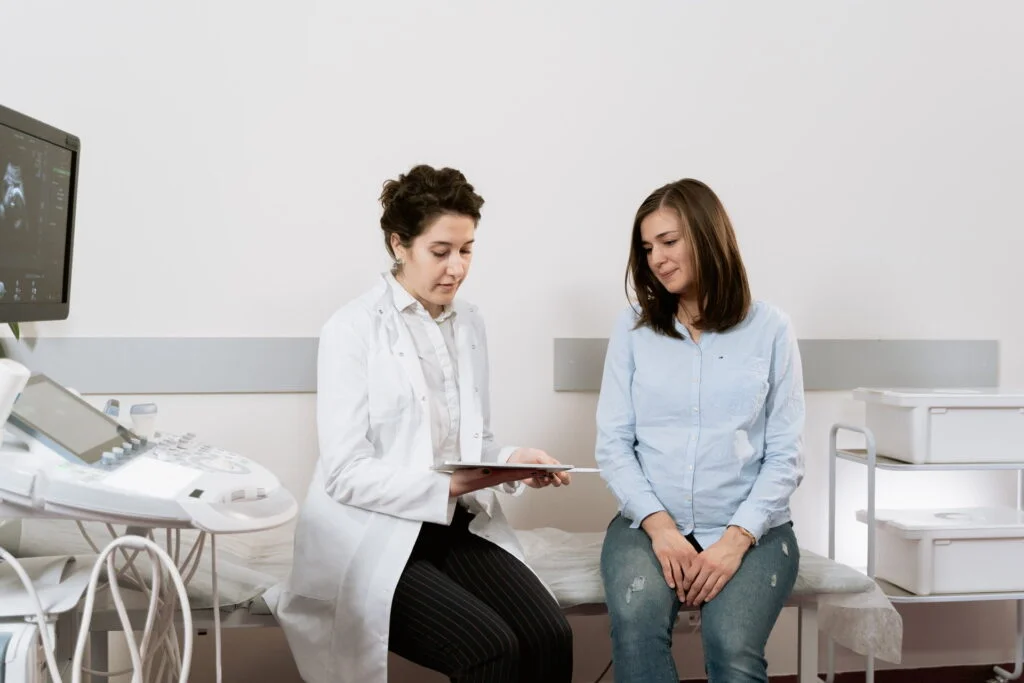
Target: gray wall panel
(830,364)
(839,364)
(143,365)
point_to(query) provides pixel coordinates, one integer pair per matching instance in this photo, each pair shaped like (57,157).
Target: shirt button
(695,409)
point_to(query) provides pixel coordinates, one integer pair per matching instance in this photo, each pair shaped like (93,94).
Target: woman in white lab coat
(389,553)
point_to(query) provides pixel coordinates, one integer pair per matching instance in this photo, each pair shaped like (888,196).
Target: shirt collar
(405,301)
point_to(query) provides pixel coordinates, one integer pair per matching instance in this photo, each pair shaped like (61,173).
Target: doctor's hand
(675,553)
(715,566)
(535,456)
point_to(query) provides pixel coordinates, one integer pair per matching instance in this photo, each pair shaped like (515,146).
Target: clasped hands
(696,577)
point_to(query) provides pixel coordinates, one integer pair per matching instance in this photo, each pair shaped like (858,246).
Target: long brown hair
(720,280)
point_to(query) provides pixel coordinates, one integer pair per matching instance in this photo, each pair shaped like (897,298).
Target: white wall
(869,154)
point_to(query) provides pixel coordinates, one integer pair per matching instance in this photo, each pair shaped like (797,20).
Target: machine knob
(136,442)
(108,458)
(118,452)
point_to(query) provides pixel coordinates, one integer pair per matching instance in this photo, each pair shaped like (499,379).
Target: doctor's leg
(438,624)
(514,592)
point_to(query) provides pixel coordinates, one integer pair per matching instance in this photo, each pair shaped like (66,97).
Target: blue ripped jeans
(735,625)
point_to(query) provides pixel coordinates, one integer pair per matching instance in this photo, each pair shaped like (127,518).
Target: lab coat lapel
(404,351)
(470,421)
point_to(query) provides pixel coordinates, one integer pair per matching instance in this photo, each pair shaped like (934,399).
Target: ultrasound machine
(63,458)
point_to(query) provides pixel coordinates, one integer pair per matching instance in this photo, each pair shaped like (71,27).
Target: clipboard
(452,466)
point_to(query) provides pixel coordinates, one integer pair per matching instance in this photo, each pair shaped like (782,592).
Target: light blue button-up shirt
(710,432)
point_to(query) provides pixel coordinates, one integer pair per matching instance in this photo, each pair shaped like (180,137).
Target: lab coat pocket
(390,392)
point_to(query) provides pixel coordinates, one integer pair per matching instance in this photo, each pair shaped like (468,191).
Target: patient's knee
(642,601)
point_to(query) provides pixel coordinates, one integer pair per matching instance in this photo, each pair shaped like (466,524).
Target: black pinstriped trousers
(472,611)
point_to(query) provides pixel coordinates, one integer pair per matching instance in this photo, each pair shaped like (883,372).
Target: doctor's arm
(352,472)
(782,468)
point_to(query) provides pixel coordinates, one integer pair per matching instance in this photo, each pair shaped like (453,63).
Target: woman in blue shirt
(700,424)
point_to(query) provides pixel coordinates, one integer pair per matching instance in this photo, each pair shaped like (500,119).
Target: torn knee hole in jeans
(635,587)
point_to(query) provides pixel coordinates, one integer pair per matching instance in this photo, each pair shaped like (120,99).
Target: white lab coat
(373,486)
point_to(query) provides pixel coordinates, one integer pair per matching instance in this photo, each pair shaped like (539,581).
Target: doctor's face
(436,262)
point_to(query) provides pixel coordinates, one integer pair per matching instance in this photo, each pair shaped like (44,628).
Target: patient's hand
(714,567)
(675,553)
(535,456)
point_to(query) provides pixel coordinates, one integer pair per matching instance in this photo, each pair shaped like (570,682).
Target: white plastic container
(965,550)
(946,425)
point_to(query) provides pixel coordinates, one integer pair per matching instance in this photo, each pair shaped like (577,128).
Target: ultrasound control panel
(75,461)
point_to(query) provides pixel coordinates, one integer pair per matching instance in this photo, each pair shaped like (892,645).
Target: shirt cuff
(641,508)
(512,488)
(752,520)
(441,485)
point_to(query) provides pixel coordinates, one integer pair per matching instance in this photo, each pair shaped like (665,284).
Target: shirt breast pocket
(742,387)
(390,393)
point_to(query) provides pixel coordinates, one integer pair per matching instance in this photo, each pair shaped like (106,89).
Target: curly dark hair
(415,199)
(723,293)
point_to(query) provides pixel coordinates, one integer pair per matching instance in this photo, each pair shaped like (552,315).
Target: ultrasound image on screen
(35,187)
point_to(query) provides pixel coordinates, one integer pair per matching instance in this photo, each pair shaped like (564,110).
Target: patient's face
(668,252)
(435,265)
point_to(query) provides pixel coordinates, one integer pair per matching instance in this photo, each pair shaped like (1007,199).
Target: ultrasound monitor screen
(36,188)
(48,411)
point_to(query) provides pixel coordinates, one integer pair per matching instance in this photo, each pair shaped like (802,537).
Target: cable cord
(44,631)
(216,605)
(157,556)
(160,654)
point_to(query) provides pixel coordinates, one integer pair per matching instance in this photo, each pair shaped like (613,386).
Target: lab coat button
(476,436)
